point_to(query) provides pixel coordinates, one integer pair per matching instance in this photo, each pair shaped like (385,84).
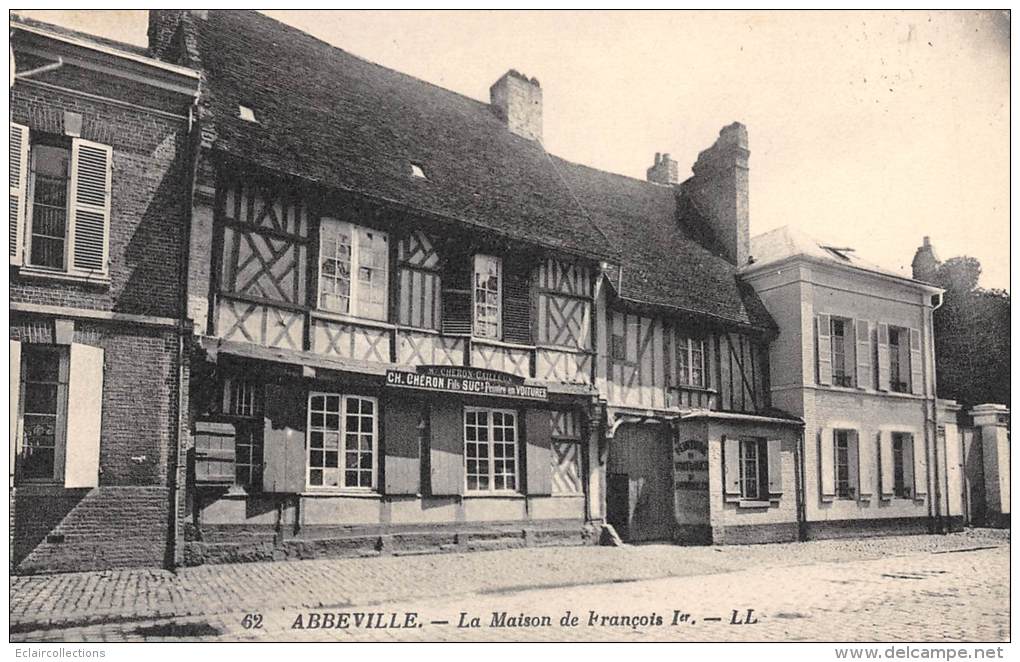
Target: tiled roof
(84,36)
(662,264)
(786,241)
(330,117)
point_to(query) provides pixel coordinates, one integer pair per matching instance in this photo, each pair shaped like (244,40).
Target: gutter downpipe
(184,330)
(931,431)
(798,476)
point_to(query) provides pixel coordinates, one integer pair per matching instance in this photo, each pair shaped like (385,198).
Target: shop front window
(490,450)
(342,431)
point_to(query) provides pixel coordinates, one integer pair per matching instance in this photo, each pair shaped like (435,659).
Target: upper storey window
(690,361)
(353,269)
(487,291)
(60,193)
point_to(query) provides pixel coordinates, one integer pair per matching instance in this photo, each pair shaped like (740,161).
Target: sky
(866,129)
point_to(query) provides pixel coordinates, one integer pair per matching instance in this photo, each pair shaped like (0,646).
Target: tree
(971,336)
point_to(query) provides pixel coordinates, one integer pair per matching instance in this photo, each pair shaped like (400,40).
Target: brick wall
(126,521)
(98,529)
(149,203)
(123,522)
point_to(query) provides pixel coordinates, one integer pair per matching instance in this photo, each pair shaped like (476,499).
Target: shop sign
(465,381)
(690,465)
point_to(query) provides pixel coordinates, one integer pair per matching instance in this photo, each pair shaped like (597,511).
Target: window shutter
(864,373)
(15,438)
(446,451)
(538,434)
(84,416)
(865,466)
(885,464)
(215,452)
(920,465)
(516,301)
(283,439)
(456,294)
(731,466)
(826,465)
(400,443)
(18,182)
(824,335)
(91,165)
(775,451)
(916,369)
(883,356)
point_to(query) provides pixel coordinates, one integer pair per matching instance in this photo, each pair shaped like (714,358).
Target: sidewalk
(76,599)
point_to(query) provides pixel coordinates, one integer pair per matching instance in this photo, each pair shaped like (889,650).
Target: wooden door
(646,452)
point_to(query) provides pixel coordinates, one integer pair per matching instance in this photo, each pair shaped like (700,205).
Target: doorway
(640,483)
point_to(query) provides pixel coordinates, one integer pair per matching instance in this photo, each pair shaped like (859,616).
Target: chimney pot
(664,171)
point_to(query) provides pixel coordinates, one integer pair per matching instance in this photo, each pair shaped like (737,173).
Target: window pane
(487,296)
(334,266)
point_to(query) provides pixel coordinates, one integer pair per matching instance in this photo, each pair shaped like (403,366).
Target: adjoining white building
(854,358)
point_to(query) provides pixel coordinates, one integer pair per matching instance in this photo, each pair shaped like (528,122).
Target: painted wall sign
(467,381)
(690,481)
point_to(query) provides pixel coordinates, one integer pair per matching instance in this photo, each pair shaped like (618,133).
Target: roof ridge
(608,172)
(334,47)
(127,47)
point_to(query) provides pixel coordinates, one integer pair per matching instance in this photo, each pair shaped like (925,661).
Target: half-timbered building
(415,329)
(694,450)
(392,292)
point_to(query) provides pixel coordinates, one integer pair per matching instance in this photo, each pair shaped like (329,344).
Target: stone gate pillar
(993,422)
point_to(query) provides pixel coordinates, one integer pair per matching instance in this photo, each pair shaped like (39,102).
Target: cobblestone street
(923,588)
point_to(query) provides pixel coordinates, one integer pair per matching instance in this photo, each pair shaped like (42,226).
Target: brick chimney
(165,39)
(517,100)
(718,190)
(664,171)
(925,262)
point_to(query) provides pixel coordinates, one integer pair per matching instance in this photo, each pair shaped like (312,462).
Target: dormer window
(246,113)
(839,252)
(417,172)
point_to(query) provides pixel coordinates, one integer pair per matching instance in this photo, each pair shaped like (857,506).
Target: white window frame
(353,231)
(30,210)
(761,450)
(491,454)
(342,447)
(850,494)
(481,260)
(60,418)
(690,347)
(901,358)
(241,397)
(906,454)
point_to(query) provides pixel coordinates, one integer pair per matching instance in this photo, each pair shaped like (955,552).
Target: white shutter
(864,373)
(731,469)
(775,459)
(824,358)
(916,371)
(19,185)
(84,416)
(885,465)
(920,467)
(90,194)
(826,465)
(883,357)
(865,465)
(15,438)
